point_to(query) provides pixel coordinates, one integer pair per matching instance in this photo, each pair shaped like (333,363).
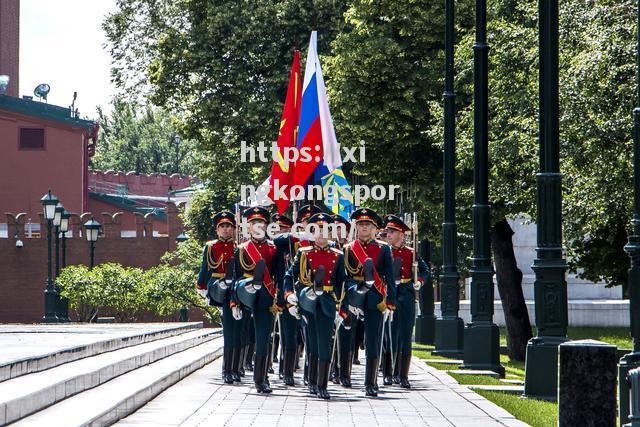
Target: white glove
(338,320)
(292,299)
(202,292)
(417,285)
(293,310)
(356,311)
(223,284)
(236,312)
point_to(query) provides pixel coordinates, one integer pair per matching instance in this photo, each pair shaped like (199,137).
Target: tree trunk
(509,278)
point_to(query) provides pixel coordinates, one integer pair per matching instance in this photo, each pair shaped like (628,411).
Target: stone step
(474,372)
(445,361)
(33,356)
(28,394)
(115,399)
(514,389)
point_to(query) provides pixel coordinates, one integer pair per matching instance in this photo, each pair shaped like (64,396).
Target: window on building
(31,138)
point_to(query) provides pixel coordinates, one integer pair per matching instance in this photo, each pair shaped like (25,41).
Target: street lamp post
(176,141)
(49,202)
(632,360)
(57,220)
(449,326)
(481,336)
(63,308)
(550,286)
(184,310)
(91,229)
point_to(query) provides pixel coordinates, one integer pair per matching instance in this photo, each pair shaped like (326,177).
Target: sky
(61,44)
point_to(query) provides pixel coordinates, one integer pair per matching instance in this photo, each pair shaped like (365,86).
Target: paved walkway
(436,399)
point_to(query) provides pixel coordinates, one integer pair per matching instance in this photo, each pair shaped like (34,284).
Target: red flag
(287,136)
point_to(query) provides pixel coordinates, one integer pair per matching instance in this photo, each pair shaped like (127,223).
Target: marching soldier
(371,291)
(288,324)
(214,282)
(257,271)
(288,245)
(341,373)
(414,274)
(320,270)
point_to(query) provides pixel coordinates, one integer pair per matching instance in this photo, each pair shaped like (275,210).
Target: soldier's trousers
(289,331)
(263,324)
(231,328)
(405,316)
(372,332)
(347,338)
(324,332)
(310,335)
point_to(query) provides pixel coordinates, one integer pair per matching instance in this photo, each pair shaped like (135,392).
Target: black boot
(313,375)
(243,350)
(259,370)
(323,379)
(289,360)
(345,369)
(404,371)
(260,374)
(305,375)
(227,362)
(370,375)
(356,361)
(396,369)
(387,369)
(248,358)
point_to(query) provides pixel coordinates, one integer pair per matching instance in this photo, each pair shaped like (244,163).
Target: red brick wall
(26,175)
(23,271)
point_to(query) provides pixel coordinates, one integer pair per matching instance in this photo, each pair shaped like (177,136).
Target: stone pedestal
(587,390)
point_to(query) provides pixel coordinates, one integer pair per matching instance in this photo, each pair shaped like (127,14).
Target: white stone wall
(602,313)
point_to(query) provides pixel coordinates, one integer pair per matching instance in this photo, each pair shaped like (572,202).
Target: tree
(385,79)
(222,66)
(143,140)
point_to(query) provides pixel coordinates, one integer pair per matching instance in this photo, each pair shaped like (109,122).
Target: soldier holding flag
(319,270)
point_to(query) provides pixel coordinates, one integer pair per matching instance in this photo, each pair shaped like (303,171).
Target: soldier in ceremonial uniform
(320,270)
(257,270)
(217,262)
(415,273)
(288,245)
(343,357)
(370,280)
(288,325)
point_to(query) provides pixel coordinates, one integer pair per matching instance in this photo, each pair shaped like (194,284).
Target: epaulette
(337,251)
(382,242)
(305,248)
(212,242)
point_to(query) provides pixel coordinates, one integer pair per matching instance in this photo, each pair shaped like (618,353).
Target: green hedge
(128,292)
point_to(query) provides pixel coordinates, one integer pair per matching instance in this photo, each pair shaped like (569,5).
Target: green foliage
(121,290)
(222,65)
(142,140)
(385,79)
(199,217)
(81,287)
(127,293)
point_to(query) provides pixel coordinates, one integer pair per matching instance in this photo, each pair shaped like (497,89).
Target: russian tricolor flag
(317,136)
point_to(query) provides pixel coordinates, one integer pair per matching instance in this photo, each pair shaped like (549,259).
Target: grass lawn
(619,337)
(537,413)
(531,411)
